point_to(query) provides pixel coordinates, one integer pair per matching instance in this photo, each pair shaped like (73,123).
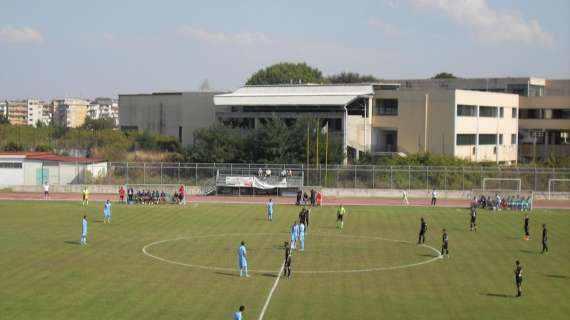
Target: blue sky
(51,49)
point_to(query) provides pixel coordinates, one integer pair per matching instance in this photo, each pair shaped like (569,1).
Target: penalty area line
(271,293)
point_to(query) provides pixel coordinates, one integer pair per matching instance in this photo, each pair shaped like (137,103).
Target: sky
(76,48)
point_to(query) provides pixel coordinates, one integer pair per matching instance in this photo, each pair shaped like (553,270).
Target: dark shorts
(518,281)
(444,246)
(339,217)
(46,193)
(473,219)
(288,262)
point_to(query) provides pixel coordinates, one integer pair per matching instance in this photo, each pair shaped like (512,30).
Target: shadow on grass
(269,275)
(427,255)
(497,295)
(529,251)
(229,274)
(556,276)
(73,242)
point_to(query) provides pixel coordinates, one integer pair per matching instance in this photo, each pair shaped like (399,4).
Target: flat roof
(302,94)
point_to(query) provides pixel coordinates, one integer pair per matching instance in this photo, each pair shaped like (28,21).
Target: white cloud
(20,35)
(244,38)
(386,28)
(490,24)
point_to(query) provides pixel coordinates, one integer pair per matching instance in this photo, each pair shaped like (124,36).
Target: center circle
(339,253)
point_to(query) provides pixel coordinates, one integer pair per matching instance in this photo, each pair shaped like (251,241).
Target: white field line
(271,293)
(145,252)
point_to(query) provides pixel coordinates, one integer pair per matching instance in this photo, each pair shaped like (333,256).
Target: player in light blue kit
(107,212)
(294,234)
(84,231)
(270,210)
(301,227)
(239,314)
(242,253)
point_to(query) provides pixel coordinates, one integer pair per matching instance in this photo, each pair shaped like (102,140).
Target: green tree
(444,75)
(4,119)
(218,144)
(272,143)
(351,77)
(285,73)
(99,124)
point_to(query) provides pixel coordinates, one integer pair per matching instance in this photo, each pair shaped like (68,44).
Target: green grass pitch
(45,274)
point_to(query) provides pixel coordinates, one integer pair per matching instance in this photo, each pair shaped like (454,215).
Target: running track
(550,204)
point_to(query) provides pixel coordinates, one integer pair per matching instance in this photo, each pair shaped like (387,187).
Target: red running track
(550,204)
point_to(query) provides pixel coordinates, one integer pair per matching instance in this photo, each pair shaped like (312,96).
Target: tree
(444,75)
(98,124)
(351,77)
(4,119)
(218,144)
(286,73)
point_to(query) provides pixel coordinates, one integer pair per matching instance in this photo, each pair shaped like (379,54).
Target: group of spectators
(267,173)
(314,199)
(151,196)
(498,203)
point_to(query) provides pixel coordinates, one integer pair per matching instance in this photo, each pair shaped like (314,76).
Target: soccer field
(372,269)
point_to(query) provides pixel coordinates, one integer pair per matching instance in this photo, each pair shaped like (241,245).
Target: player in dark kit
(544,239)
(473,223)
(423,230)
(287,263)
(518,277)
(302,215)
(444,244)
(526,230)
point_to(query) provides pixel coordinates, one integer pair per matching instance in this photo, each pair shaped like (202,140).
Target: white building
(104,108)
(34,168)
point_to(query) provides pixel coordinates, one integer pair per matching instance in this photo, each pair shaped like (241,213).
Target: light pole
(535,135)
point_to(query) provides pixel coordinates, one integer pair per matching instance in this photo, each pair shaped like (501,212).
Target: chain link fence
(336,176)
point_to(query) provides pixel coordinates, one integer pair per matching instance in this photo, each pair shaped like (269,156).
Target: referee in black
(518,277)
(444,244)
(526,227)
(544,239)
(423,230)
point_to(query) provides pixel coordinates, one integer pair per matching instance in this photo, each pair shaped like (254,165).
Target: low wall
(327,192)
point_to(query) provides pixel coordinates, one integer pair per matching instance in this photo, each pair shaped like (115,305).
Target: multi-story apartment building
(104,108)
(70,112)
(544,118)
(24,112)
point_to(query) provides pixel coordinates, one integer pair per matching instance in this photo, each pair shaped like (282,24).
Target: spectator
(290,173)
(283,173)
(130,195)
(122,194)
(268,172)
(299,195)
(260,172)
(182,195)
(305,198)
(313,197)
(162,197)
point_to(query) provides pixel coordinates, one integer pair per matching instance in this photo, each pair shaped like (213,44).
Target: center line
(271,293)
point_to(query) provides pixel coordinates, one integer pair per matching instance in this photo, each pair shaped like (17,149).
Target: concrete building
(173,113)
(544,119)
(70,112)
(24,112)
(104,108)
(35,168)
(384,118)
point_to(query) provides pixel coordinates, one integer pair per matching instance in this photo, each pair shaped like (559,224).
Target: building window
(490,112)
(466,110)
(514,138)
(501,112)
(487,139)
(535,91)
(561,114)
(10,165)
(387,107)
(501,138)
(530,114)
(465,139)
(514,113)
